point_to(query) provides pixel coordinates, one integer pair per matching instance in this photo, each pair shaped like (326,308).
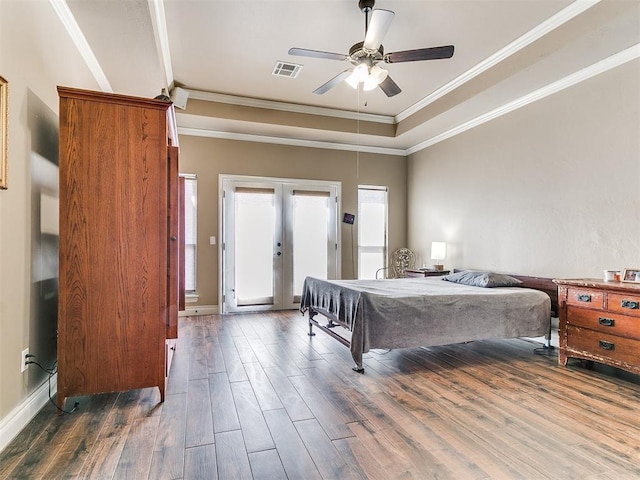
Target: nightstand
(419,272)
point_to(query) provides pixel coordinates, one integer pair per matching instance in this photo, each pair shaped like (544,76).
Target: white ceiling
(507,53)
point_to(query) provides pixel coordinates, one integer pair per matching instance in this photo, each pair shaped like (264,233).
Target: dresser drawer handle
(607,322)
(606,345)
(583,298)
(629,304)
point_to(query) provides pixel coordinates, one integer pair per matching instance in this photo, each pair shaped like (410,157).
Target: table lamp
(438,252)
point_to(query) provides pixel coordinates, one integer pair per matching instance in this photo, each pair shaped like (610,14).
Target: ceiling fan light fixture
(359,74)
(369,84)
(378,73)
(370,77)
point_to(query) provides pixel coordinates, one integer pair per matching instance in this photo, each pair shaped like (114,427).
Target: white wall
(552,189)
(36,54)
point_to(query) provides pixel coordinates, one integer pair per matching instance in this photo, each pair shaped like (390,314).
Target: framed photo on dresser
(631,275)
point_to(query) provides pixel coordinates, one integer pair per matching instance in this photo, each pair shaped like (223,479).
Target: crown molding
(586,73)
(79,40)
(288,107)
(159,22)
(247,137)
(560,18)
(555,21)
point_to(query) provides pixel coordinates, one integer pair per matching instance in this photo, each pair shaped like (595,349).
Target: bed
(413,312)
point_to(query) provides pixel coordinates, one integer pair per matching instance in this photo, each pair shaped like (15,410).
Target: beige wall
(552,189)
(33,68)
(207,158)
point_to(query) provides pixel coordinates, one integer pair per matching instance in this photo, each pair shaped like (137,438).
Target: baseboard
(19,417)
(200,310)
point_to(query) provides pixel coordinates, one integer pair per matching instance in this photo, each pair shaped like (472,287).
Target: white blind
(191,231)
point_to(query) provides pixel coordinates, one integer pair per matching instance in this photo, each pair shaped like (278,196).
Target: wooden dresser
(119,237)
(600,321)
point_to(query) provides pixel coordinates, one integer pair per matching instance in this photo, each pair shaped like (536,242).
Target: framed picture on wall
(631,275)
(4,106)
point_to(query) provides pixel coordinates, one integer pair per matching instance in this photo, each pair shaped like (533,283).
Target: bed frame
(542,284)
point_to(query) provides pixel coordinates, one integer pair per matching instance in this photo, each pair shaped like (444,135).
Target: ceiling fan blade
(380,21)
(432,53)
(332,83)
(304,52)
(389,87)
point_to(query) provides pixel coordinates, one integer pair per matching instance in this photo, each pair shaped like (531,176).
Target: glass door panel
(254,237)
(310,232)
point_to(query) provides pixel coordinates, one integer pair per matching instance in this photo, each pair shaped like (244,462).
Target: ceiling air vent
(290,70)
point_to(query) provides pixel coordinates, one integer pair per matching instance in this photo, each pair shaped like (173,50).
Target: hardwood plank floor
(252,396)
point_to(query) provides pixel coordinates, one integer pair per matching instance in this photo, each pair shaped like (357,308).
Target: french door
(274,234)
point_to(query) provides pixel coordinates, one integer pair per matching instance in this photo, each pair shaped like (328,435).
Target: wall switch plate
(212,240)
(23,359)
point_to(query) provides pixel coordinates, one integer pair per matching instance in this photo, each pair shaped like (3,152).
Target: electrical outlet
(23,360)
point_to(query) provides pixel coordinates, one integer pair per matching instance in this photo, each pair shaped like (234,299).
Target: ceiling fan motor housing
(358,54)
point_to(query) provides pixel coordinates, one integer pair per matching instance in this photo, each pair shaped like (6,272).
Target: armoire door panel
(173,220)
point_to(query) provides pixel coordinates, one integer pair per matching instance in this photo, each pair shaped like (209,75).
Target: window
(372,231)
(191,231)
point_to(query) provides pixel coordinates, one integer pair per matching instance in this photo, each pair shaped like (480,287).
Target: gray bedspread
(413,312)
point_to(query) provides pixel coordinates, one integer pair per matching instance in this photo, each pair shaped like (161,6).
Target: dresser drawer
(597,344)
(605,322)
(627,304)
(582,297)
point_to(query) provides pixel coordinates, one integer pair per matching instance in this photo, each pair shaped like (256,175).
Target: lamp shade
(438,250)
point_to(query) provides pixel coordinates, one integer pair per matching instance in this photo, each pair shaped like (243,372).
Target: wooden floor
(252,396)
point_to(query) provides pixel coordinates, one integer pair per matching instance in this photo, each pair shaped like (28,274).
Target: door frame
(285,181)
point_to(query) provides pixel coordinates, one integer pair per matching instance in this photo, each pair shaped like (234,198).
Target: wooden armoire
(119,237)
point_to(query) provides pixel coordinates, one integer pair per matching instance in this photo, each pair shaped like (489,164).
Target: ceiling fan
(366,55)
